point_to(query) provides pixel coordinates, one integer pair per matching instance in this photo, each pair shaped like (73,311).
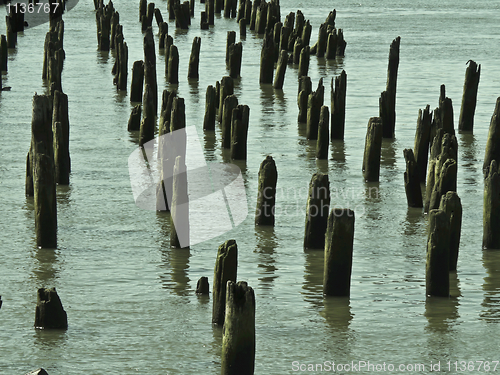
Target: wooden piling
(3,53)
(202,287)
(422,141)
(338,95)
(279,78)
(143,7)
(173,65)
(150,67)
(226,266)
(248,11)
(261,18)
(158,17)
(243,28)
(341,43)
(253,14)
(230,103)
(444,115)
(226,88)
(235,56)
(387,102)
(210,10)
(204,21)
(179,210)
(452,206)
(134,122)
(231,39)
(306,33)
(148,124)
(60,129)
(163,35)
(445,180)
(373,147)
(491,207)
(323,134)
(170,8)
(318,207)
(210,109)
(49,313)
(238,340)
(137,82)
(267,60)
(322,40)
(412,182)
(115,21)
(305,88)
(239,132)
(194,59)
(437,282)
(182,15)
(122,53)
(469,97)
(266,198)
(493,141)
(305,56)
(331,46)
(314,104)
(297,48)
(105,27)
(339,242)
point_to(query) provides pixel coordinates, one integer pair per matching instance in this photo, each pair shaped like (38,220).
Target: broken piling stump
(266,197)
(179,210)
(491,208)
(314,104)
(134,122)
(493,141)
(239,132)
(226,88)
(163,35)
(387,103)
(202,286)
(39,371)
(373,148)
(226,266)
(230,103)
(338,94)
(137,82)
(194,59)
(305,56)
(422,141)
(469,97)
(323,134)
(238,340)
(231,39)
(339,242)
(49,313)
(234,62)
(412,182)
(267,59)
(210,109)
(437,282)
(173,65)
(61,138)
(318,207)
(279,78)
(452,206)
(148,124)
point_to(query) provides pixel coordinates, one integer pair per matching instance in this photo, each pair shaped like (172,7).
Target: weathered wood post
(41,158)
(373,147)
(226,266)
(210,109)
(493,142)
(182,16)
(279,78)
(49,312)
(248,12)
(170,9)
(339,243)
(261,18)
(134,122)
(163,35)
(231,39)
(437,282)
(60,129)
(305,88)
(323,134)
(338,94)
(194,59)
(210,11)
(137,82)
(387,102)
(297,48)
(331,46)
(305,56)
(267,59)
(445,180)
(239,132)
(318,207)
(121,82)
(105,27)
(202,286)
(3,53)
(143,7)
(150,67)
(243,28)
(148,124)
(422,141)
(238,340)
(306,33)
(204,21)
(444,115)
(115,21)
(314,104)
(235,56)
(179,210)
(469,98)
(230,103)
(173,65)
(412,182)
(452,206)
(226,89)
(266,198)
(158,17)
(253,14)
(491,208)
(322,40)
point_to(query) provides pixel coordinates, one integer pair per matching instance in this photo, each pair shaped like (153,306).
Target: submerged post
(266,198)
(226,266)
(49,311)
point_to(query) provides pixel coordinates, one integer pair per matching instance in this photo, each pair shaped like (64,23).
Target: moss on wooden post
(373,147)
(266,198)
(437,282)
(318,207)
(226,266)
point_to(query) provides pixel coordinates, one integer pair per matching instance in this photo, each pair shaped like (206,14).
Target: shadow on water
(337,149)
(64,194)
(48,339)
(491,286)
(388,153)
(313,277)
(210,144)
(441,312)
(267,243)
(45,267)
(469,153)
(338,316)
(102,57)
(322,165)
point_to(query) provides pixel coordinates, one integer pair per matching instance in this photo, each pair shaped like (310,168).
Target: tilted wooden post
(469,97)
(387,102)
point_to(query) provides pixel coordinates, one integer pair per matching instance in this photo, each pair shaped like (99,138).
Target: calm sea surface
(130,298)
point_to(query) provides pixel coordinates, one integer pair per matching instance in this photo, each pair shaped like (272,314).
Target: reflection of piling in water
(469,97)
(491,286)
(373,149)
(437,268)
(266,196)
(422,141)
(452,206)
(491,208)
(226,266)
(238,342)
(339,242)
(318,207)
(412,183)
(387,102)
(49,312)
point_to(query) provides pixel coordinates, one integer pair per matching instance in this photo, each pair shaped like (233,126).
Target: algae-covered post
(305,56)
(323,134)
(194,59)
(179,210)
(491,208)
(373,147)
(387,103)
(422,141)
(60,128)
(210,109)
(202,286)
(49,313)
(134,122)
(338,95)
(150,67)
(239,132)
(493,142)
(469,98)
(266,196)
(238,339)
(235,56)
(230,103)
(267,59)
(173,65)
(137,82)
(148,124)
(452,206)
(412,182)
(437,281)
(318,207)
(339,243)
(279,78)
(226,266)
